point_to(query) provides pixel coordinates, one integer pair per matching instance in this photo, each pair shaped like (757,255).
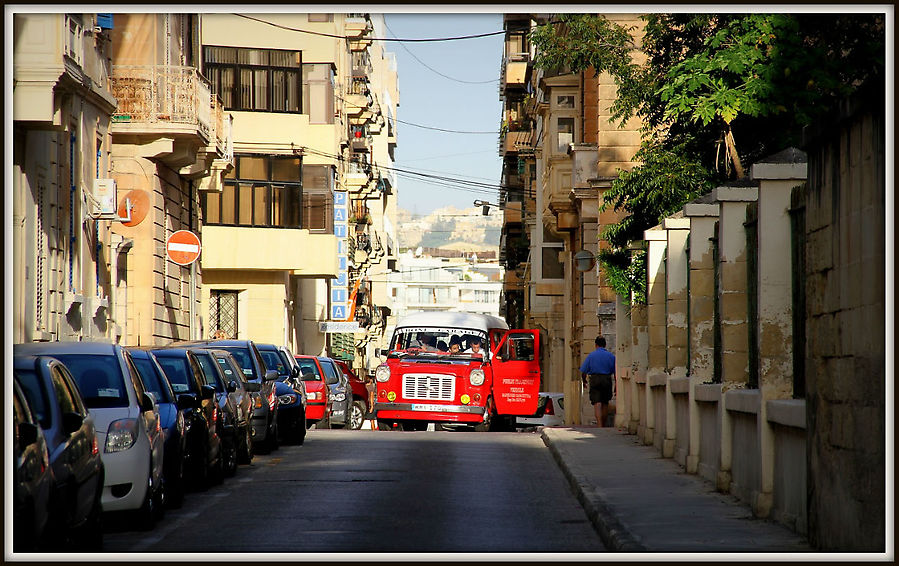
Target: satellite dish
(140,205)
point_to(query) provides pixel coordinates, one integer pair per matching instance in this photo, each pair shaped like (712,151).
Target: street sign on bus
(183,247)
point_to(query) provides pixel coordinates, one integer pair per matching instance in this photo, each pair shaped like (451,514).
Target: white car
(550,411)
(129,436)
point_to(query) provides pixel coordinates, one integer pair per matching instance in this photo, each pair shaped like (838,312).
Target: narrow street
(383,492)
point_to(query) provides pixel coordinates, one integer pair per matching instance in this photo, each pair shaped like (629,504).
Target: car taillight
(315,396)
(94,448)
(215,414)
(122,435)
(549,407)
(271,400)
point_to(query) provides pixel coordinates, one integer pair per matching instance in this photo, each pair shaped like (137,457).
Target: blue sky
(429,99)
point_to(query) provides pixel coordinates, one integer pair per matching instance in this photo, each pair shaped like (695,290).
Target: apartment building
(560,154)
(314,101)
(429,283)
(66,260)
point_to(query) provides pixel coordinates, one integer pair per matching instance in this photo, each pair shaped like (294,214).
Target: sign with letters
(340,286)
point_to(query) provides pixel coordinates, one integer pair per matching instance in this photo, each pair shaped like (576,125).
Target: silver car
(126,418)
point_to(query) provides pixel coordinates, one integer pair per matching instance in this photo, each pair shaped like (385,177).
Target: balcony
(516,70)
(269,249)
(356,28)
(357,175)
(512,213)
(513,142)
(584,165)
(167,110)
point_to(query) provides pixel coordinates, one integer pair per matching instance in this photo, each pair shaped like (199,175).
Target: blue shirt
(599,360)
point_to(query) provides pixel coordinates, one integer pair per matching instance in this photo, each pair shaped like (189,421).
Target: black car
(227,422)
(265,401)
(70,435)
(171,419)
(341,394)
(203,459)
(33,476)
(291,391)
(242,396)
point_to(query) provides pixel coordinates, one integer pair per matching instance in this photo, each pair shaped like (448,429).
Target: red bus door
(516,373)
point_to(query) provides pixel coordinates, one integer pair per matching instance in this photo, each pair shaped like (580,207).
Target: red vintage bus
(452,368)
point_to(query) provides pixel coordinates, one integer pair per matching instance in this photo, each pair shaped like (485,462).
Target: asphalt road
(380,492)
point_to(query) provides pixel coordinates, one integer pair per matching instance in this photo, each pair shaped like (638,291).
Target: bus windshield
(447,341)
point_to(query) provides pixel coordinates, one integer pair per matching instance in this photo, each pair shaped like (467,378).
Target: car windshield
(242,357)
(177,370)
(99,377)
(441,341)
(274,361)
(210,375)
(308,369)
(153,382)
(37,397)
(230,370)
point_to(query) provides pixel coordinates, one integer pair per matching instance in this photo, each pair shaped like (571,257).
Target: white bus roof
(452,320)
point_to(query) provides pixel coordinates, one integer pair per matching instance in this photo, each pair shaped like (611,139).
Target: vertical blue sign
(340,286)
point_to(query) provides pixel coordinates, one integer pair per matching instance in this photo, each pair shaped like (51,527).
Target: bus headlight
(476,377)
(382,374)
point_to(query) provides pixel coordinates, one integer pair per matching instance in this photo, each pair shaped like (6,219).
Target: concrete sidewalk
(641,502)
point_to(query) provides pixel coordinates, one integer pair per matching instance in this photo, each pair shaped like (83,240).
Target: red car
(317,397)
(360,396)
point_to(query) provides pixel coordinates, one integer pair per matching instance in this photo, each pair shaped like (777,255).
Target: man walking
(599,367)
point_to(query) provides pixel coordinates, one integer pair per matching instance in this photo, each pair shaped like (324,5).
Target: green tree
(708,82)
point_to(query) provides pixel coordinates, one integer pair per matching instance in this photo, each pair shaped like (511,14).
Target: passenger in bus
(455,345)
(442,347)
(474,346)
(427,342)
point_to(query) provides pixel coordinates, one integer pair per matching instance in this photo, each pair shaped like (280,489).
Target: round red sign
(183,247)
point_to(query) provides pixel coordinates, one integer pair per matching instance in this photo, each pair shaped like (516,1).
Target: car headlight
(382,374)
(122,435)
(288,399)
(476,377)
(339,397)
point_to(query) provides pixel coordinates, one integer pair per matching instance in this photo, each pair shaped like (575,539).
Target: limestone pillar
(657,240)
(677,229)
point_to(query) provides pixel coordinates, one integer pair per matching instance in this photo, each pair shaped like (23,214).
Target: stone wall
(845,357)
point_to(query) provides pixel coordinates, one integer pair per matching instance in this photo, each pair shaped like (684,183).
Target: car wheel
(245,456)
(385,425)
(299,432)
(146,515)
(230,456)
(357,414)
(217,469)
(273,443)
(488,423)
(89,536)
(174,486)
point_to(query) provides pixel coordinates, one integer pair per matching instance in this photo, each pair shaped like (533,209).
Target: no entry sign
(183,247)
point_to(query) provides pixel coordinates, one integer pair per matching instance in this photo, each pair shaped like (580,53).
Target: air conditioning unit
(105,200)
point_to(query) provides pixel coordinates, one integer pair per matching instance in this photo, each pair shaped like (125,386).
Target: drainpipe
(193,268)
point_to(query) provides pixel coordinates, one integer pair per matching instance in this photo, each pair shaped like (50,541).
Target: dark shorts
(600,387)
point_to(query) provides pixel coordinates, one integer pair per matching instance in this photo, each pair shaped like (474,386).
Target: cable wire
(288,28)
(425,65)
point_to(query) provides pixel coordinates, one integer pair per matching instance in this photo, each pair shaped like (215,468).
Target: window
(256,80)
(318,198)
(565,130)
(321,17)
(261,191)
(74,38)
(550,264)
(223,312)
(318,92)
(484,296)
(566,101)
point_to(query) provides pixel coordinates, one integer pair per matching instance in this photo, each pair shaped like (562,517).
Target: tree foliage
(712,91)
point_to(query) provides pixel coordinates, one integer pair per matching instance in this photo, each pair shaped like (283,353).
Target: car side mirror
(146,402)
(271,375)
(71,422)
(207,392)
(231,387)
(252,386)
(294,372)
(186,401)
(27,433)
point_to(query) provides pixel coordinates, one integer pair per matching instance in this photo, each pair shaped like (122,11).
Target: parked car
(318,398)
(226,424)
(203,460)
(33,476)
(265,401)
(68,429)
(171,417)
(340,392)
(243,400)
(128,431)
(291,392)
(550,411)
(359,406)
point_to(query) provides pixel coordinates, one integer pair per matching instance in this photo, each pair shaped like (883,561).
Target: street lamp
(584,260)
(486,205)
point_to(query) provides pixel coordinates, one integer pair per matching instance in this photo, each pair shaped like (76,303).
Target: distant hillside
(450,228)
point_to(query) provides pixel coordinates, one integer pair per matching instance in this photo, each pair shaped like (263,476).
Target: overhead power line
(425,65)
(288,28)
(494,133)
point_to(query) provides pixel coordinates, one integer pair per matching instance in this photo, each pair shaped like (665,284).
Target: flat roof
(453,320)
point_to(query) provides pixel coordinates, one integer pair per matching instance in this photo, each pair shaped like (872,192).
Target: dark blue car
(171,418)
(68,428)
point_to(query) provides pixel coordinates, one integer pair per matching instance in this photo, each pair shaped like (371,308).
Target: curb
(613,534)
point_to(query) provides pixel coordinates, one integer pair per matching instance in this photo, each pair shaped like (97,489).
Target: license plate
(418,407)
